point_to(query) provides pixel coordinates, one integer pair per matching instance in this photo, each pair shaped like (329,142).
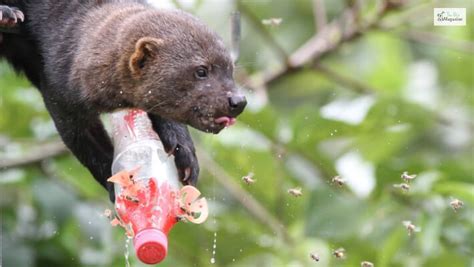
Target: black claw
(177,141)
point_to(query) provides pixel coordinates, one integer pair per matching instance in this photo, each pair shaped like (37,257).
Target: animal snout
(237,104)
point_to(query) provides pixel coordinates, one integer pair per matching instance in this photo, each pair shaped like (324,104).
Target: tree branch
(35,155)
(341,30)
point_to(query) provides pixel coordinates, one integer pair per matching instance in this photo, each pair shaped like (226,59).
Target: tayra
(89,57)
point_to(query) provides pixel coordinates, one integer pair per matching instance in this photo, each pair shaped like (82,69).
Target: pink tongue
(232,121)
(227,121)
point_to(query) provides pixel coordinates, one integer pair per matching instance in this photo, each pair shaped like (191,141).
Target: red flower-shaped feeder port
(148,210)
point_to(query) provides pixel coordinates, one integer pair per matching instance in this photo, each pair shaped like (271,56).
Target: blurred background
(362,89)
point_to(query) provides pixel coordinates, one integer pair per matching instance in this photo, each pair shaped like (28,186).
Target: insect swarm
(296,192)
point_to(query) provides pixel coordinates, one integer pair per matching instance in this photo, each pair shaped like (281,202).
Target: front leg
(177,141)
(10,16)
(84,134)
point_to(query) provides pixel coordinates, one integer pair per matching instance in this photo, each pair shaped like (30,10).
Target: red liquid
(150,215)
(157,207)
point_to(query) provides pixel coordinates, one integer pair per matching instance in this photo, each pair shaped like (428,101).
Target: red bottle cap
(151,246)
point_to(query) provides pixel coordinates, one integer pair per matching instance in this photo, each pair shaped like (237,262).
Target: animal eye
(201,73)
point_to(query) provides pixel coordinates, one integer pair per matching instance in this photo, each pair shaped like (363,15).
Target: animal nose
(237,104)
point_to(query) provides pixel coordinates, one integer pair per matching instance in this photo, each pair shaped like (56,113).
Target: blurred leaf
(459,190)
(390,247)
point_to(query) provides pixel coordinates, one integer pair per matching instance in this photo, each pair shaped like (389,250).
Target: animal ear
(145,49)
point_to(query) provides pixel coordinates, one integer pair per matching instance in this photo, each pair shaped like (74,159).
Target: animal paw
(186,162)
(10,16)
(177,141)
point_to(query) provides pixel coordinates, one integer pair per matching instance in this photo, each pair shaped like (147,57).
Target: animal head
(182,71)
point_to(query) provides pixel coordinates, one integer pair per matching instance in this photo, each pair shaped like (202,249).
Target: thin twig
(345,81)
(178,5)
(437,40)
(319,13)
(235,33)
(263,31)
(247,200)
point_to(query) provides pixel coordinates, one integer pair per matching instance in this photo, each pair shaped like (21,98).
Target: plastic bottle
(148,203)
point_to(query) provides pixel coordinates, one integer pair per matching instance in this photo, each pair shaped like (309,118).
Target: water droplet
(121,92)
(89,222)
(127,253)
(214,246)
(91,237)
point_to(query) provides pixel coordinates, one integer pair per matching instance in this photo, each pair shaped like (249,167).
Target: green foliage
(418,119)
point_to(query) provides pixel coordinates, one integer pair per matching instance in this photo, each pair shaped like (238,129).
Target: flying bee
(405,187)
(338,180)
(274,22)
(181,218)
(366,264)
(132,198)
(248,179)
(407,177)
(108,214)
(296,192)
(456,204)
(411,228)
(339,253)
(314,256)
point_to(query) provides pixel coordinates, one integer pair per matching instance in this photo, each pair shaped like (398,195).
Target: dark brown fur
(93,57)
(170,44)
